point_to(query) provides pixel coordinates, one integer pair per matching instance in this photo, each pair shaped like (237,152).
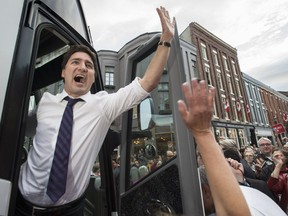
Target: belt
(66,209)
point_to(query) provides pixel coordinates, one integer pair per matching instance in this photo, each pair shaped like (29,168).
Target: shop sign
(278,128)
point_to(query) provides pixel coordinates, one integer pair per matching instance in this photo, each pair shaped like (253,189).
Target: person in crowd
(197,114)
(284,140)
(258,202)
(264,163)
(285,147)
(96,169)
(93,115)
(134,172)
(231,144)
(249,157)
(143,171)
(278,180)
(169,155)
(238,170)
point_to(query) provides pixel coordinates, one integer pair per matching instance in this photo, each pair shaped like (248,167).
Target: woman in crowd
(278,181)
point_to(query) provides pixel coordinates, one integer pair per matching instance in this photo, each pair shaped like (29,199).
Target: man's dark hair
(78,48)
(232,153)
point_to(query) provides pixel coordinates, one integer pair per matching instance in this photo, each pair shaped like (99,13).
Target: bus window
(47,76)
(153,143)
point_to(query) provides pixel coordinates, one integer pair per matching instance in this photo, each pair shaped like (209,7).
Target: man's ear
(63,73)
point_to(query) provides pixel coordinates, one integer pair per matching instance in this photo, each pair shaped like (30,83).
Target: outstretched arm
(197,115)
(155,69)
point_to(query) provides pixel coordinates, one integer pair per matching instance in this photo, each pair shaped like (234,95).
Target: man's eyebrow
(79,59)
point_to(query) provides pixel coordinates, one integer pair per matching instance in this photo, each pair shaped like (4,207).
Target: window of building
(221,133)
(163,96)
(238,87)
(230,87)
(232,134)
(194,66)
(219,79)
(204,52)
(226,106)
(215,57)
(243,112)
(234,108)
(109,75)
(225,63)
(208,74)
(233,67)
(242,138)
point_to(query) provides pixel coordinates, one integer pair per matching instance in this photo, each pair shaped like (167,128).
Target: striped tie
(58,174)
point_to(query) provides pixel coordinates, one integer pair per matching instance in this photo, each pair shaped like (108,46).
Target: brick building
(217,63)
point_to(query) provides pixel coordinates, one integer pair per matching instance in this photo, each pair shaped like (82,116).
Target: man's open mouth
(79,78)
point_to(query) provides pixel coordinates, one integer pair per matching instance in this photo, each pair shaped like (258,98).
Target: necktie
(58,174)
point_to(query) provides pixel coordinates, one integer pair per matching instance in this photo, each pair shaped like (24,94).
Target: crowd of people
(264,168)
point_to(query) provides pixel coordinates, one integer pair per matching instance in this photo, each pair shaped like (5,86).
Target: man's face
(249,156)
(79,74)
(265,147)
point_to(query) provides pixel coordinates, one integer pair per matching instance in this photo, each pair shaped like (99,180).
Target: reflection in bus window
(153,142)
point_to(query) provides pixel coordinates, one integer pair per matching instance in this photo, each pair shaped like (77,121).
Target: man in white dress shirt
(92,119)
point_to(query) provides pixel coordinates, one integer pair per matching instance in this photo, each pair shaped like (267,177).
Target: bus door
(158,159)
(47,29)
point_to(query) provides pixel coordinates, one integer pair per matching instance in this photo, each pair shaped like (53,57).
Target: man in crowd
(264,163)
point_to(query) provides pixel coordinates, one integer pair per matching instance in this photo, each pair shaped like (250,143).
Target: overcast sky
(257,29)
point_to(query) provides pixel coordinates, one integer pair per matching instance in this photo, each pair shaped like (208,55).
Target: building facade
(217,63)
(244,110)
(257,109)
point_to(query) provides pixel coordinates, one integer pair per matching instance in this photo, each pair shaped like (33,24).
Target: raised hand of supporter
(259,164)
(197,115)
(237,169)
(278,161)
(198,110)
(235,165)
(168,25)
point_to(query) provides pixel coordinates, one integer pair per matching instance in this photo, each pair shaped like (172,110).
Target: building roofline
(213,36)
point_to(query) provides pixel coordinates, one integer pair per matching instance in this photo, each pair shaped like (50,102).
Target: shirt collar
(64,94)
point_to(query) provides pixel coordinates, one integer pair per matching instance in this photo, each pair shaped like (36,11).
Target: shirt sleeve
(124,99)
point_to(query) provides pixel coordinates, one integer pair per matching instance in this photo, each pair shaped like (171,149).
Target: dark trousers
(25,208)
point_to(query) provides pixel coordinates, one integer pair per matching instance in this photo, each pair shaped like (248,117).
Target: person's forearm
(276,171)
(155,69)
(227,196)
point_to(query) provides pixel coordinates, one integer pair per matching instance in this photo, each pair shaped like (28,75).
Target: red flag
(248,110)
(285,117)
(238,105)
(227,106)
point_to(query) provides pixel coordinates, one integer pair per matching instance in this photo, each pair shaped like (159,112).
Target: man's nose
(83,67)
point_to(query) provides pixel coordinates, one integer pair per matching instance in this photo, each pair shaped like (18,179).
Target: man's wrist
(198,134)
(164,43)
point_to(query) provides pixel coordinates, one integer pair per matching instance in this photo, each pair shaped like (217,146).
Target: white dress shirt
(92,119)
(260,204)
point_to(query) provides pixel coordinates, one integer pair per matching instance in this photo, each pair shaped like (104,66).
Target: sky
(257,29)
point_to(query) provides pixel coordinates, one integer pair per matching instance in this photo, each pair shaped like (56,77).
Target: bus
(35,35)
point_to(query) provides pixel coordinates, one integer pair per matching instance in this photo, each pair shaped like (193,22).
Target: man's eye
(75,62)
(89,66)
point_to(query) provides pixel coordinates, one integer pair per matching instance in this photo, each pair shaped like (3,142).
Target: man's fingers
(182,108)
